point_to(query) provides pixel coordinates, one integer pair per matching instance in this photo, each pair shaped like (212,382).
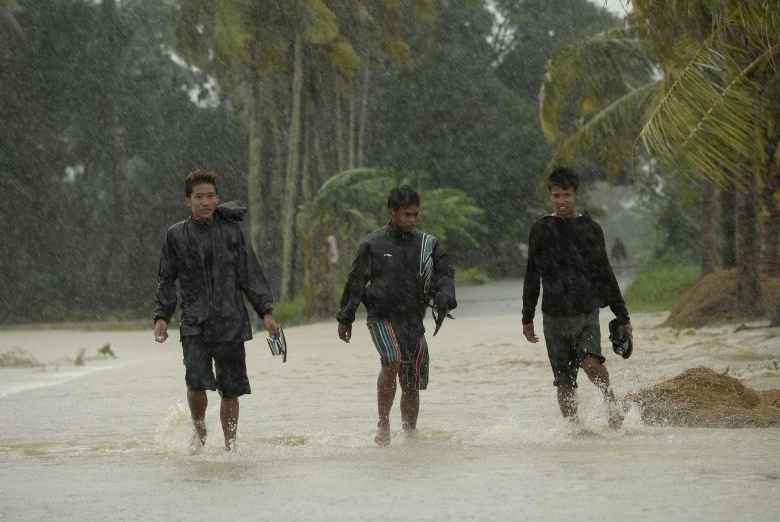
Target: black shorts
(569,340)
(229,360)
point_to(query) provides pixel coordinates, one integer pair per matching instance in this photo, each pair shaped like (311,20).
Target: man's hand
(269,324)
(441,302)
(629,329)
(528,332)
(160,330)
(345,332)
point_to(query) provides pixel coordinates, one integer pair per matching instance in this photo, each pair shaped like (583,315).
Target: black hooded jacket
(569,258)
(215,267)
(396,274)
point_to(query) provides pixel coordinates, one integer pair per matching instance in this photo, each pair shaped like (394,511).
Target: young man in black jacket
(567,254)
(398,271)
(215,268)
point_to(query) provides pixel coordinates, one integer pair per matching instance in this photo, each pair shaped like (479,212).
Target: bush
(660,283)
(291,313)
(471,276)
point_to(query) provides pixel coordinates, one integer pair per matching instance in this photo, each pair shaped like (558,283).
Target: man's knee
(590,363)
(565,390)
(410,390)
(391,368)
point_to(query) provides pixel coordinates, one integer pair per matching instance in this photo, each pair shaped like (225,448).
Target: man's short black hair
(198,176)
(563,177)
(403,196)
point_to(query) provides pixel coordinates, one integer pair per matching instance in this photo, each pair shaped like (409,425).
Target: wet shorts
(229,360)
(569,340)
(403,340)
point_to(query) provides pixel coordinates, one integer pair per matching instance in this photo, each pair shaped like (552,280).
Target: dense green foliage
(107,105)
(659,284)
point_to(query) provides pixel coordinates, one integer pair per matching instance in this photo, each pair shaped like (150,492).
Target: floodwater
(109,440)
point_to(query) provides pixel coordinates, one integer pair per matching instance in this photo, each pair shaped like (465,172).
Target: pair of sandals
(278,344)
(622,341)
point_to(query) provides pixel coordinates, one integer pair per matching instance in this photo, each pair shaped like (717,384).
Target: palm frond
(585,77)
(709,115)
(610,135)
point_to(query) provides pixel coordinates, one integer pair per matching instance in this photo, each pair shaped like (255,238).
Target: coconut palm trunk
(292,173)
(748,255)
(255,167)
(771,228)
(728,225)
(709,238)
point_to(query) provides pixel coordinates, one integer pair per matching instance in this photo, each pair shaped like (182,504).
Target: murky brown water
(108,441)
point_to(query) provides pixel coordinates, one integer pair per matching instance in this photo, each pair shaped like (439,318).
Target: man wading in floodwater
(215,268)
(566,251)
(396,273)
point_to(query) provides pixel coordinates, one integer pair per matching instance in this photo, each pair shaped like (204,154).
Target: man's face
(564,201)
(203,201)
(405,218)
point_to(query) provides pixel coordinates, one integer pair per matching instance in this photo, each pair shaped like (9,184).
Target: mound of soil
(712,300)
(18,358)
(700,397)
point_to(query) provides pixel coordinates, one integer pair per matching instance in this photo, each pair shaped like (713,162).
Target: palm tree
(351,204)
(711,111)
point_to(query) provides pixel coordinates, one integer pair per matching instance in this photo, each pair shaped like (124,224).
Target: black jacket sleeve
(532,279)
(444,277)
(357,279)
(166,298)
(252,280)
(606,281)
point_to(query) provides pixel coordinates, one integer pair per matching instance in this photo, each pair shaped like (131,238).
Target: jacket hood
(231,211)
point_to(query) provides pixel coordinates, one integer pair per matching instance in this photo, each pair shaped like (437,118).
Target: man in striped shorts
(397,273)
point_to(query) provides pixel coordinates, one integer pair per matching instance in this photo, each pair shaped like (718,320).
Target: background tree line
(107,105)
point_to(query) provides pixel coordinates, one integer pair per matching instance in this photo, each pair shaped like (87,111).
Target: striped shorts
(403,341)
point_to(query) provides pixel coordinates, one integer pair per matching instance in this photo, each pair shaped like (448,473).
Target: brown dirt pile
(713,300)
(700,397)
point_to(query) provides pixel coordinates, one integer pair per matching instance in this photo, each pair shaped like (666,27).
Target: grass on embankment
(471,276)
(288,313)
(659,284)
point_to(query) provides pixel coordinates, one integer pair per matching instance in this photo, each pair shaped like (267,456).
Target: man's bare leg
(567,401)
(198,402)
(385,395)
(410,407)
(598,375)
(228,414)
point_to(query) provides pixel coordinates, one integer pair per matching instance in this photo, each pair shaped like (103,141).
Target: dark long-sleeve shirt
(396,274)
(568,258)
(215,268)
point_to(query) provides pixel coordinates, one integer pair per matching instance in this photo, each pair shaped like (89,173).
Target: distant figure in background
(215,268)
(397,272)
(619,254)
(567,255)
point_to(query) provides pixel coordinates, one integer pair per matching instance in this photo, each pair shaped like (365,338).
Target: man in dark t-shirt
(567,256)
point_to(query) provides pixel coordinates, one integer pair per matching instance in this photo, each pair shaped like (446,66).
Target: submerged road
(108,441)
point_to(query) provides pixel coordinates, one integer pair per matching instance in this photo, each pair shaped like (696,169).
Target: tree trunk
(341,159)
(273,166)
(776,314)
(352,126)
(256,183)
(292,174)
(116,262)
(117,259)
(771,226)
(709,258)
(749,302)
(728,205)
(361,142)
